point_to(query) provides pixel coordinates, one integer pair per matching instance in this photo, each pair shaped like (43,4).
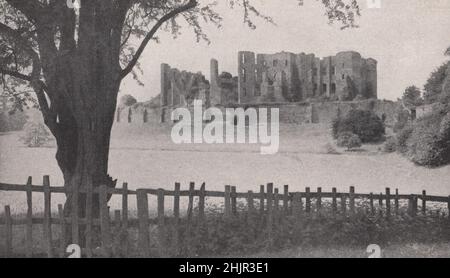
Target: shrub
(349,140)
(428,144)
(35,135)
(402,138)
(366,124)
(390,145)
(127,100)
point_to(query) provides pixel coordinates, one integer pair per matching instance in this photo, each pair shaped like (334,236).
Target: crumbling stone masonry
(289,77)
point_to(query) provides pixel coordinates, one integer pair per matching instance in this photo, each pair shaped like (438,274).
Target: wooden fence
(269,201)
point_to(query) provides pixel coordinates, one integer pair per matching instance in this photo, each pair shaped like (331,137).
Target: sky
(408,38)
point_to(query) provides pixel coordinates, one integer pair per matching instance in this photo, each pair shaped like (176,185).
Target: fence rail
(268,201)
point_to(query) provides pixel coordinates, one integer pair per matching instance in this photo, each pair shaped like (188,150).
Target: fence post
(29,228)
(307,200)
(372,206)
(261,199)
(286,199)
(201,203)
(319,199)
(191,201)
(176,201)
(250,202)
(448,207)
(388,202)
(227,200)
(297,204)
(176,215)
(424,202)
(334,202)
(104,221)
(343,204)
(125,206)
(47,217)
(397,205)
(89,196)
(74,215)
(8,232)
(124,230)
(380,203)
(413,205)
(269,206)
(276,202)
(352,200)
(62,240)
(233,201)
(142,206)
(118,228)
(161,194)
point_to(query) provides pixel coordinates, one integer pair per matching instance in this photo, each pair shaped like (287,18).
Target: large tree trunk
(89,83)
(83,149)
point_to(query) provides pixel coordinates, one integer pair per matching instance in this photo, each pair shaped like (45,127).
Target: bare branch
(190,5)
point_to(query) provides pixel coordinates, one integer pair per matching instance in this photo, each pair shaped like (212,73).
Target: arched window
(333,88)
(129,115)
(145,116)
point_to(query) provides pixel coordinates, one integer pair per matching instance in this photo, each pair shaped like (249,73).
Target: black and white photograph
(214,129)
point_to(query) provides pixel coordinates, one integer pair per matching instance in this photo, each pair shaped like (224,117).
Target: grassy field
(146,157)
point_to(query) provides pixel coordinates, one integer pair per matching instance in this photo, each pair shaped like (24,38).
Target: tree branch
(15,74)
(190,5)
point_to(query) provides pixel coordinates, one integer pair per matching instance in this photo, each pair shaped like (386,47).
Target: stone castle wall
(290,113)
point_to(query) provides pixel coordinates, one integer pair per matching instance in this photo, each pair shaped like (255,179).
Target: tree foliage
(349,140)
(412,97)
(434,84)
(365,124)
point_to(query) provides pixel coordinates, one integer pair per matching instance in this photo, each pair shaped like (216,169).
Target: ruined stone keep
(274,78)
(289,77)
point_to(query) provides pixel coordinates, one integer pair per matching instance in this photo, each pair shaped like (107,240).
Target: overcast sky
(407,37)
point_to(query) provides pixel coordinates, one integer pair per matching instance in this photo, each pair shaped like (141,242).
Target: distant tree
(366,124)
(128,100)
(35,135)
(12,120)
(412,97)
(349,140)
(434,84)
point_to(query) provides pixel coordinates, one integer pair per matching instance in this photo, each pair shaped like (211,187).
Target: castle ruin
(275,78)
(305,88)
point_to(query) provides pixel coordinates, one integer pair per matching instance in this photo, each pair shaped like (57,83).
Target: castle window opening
(275,62)
(314,71)
(324,87)
(287,63)
(333,70)
(244,75)
(333,88)
(145,116)
(129,115)
(244,91)
(343,76)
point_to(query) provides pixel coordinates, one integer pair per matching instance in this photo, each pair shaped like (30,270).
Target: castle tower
(247,76)
(165,85)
